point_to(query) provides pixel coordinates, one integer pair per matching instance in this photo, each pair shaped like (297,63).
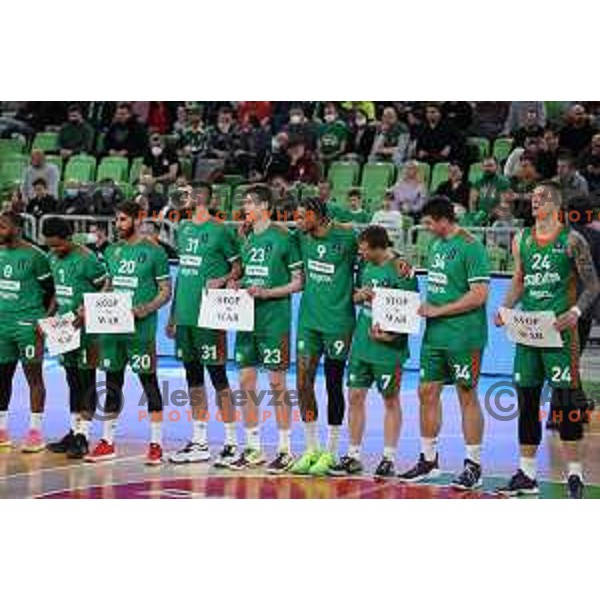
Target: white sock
(284,440)
(474,453)
(253,437)
(84,428)
(199,432)
(74,422)
(231,434)
(156,432)
(354,451)
(35,421)
(528,466)
(333,439)
(574,468)
(108,431)
(389,452)
(3,419)
(429,448)
(311,435)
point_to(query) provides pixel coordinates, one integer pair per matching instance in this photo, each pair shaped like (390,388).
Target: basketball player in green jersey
(376,356)
(548,258)
(272,273)
(208,258)
(326,322)
(455,336)
(139,267)
(26,294)
(76,271)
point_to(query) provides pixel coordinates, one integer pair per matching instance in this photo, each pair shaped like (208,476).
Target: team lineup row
(338,274)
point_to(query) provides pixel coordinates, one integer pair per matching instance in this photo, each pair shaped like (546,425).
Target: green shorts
(362,374)
(85,357)
(447,366)
(206,346)
(269,351)
(314,343)
(558,366)
(138,349)
(21,341)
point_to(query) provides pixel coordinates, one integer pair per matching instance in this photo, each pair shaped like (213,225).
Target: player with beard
(139,267)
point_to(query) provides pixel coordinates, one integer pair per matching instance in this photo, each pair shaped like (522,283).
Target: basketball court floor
(46,475)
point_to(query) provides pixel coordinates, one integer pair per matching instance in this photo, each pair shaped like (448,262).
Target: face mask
(295,119)
(72,193)
(275,145)
(329,118)
(361,121)
(156,150)
(90,238)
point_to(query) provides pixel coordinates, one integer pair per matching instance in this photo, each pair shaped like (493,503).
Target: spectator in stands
(38,168)
(39,115)
(193,140)
(300,128)
(362,136)
(489,118)
(531,147)
(324,191)
(182,121)
(98,240)
(517,115)
(577,134)
(410,193)
(391,138)
(151,230)
(332,135)
(224,139)
(276,160)
(531,128)
(258,110)
(547,156)
(284,201)
(17,202)
(75,136)
(146,187)
(160,161)
(41,203)
(75,200)
(455,188)
(571,182)
(436,139)
(303,169)
(522,185)
(592,175)
(353,212)
(487,191)
(160,118)
(390,218)
(458,114)
(352,109)
(125,136)
(592,151)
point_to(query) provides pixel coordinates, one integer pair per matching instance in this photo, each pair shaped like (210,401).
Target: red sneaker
(103,451)
(154,456)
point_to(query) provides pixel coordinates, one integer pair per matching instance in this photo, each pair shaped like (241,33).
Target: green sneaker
(303,465)
(322,467)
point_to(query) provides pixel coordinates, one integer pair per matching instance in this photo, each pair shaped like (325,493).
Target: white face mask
(295,119)
(361,121)
(275,145)
(329,118)
(91,238)
(156,150)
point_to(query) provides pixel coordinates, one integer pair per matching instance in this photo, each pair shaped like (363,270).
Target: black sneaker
(79,448)
(470,478)
(385,468)
(63,445)
(249,458)
(281,463)
(347,465)
(226,456)
(424,469)
(575,487)
(520,485)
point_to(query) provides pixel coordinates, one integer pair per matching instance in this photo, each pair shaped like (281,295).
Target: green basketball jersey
(136,269)
(328,264)
(22,270)
(454,264)
(268,259)
(78,273)
(365,348)
(549,273)
(206,250)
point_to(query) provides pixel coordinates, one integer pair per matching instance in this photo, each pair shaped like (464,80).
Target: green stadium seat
(238,196)
(233,180)
(185,168)
(377,175)
(46,141)
(475,172)
(54,159)
(439,174)
(80,168)
(113,167)
(11,169)
(307,190)
(502,148)
(498,257)
(11,146)
(136,167)
(482,144)
(424,171)
(222,191)
(343,175)
(100,143)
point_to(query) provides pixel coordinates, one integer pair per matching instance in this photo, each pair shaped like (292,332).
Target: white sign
(531,328)
(108,313)
(227,309)
(61,336)
(395,311)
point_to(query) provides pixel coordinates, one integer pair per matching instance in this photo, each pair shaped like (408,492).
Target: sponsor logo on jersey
(10,286)
(437,278)
(119,281)
(321,267)
(537,279)
(257,271)
(64,290)
(189,260)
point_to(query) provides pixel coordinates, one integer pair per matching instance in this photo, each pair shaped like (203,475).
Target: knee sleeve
(218,377)
(89,394)
(114,392)
(334,381)
(7,372)
(194,374)
(569,415)
(151,391)
(72,374)
(530,427)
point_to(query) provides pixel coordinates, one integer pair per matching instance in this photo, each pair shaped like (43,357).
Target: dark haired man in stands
(125,136)
(76,135)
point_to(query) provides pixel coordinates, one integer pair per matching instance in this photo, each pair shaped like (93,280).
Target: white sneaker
(191,453)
